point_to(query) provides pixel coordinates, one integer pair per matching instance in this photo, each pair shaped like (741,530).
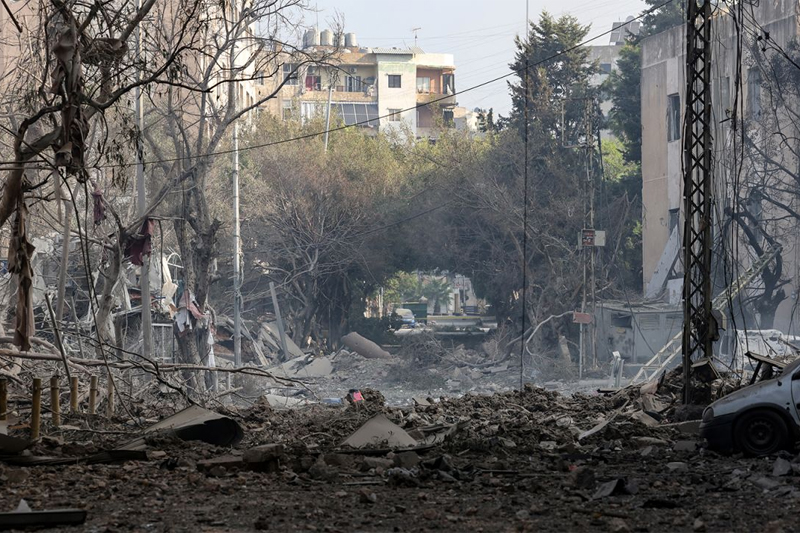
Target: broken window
(394,81)
(673,117)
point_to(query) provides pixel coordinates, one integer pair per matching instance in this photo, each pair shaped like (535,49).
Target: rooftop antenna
(415,30)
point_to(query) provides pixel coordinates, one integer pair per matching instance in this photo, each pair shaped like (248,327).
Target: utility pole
(141,201)
(593,249)
(697,192)
(237,251)
(237,242)
(328,111)
(332,79)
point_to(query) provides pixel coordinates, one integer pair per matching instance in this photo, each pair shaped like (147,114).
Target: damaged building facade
(754,174)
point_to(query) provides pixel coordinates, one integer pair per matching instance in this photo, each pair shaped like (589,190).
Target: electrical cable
(366,122)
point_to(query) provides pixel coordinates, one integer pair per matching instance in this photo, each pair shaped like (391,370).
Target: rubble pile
(532,458)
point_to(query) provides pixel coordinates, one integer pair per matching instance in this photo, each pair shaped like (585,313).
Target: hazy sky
(480,34)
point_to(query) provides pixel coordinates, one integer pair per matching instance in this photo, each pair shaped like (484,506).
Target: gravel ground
(512,462)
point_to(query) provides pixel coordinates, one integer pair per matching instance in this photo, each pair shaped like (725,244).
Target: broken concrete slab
(406,460)
(304,367)
(764,482)
(23,517)
(609,488)
(781,467)
(677,466)
(269,333)
(645,419)
(194,423)
(285,402)
(263,453)
(377,431)
(364,347)
(685,446)
(226,462)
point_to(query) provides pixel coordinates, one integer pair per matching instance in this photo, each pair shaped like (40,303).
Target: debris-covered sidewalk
(530,461)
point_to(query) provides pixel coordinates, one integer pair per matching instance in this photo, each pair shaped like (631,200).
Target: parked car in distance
(406,316)
(759,419)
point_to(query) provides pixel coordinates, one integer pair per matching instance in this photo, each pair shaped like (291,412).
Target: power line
(413,108)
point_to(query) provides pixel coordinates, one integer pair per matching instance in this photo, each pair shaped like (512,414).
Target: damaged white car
(760,419)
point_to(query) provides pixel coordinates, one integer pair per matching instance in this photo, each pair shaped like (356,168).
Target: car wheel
(761,432)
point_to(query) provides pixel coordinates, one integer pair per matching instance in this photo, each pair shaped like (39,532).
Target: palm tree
(438,290)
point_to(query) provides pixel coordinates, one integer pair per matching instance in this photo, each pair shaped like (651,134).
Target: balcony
(338,96)
(444,100)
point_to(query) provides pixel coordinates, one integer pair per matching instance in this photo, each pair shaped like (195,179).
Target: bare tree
(189,122)
(83,49)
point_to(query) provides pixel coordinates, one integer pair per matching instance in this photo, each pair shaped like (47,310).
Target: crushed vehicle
(760,419)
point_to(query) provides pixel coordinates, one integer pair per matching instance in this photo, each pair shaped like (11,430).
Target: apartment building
(378,89)
(760,118)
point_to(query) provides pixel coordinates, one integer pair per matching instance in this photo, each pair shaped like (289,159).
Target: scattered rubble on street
(531,460)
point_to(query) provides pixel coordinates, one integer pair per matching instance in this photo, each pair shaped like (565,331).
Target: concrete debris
(677,466)
(285,402)
(364,347)
(380,431)
(781,467)
(24,518)
(194,423)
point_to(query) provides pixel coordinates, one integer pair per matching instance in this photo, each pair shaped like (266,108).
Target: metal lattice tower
(697,190)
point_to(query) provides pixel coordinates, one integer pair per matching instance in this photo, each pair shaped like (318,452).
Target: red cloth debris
(140,244)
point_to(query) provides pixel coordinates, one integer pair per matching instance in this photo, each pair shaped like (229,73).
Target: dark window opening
(673,117)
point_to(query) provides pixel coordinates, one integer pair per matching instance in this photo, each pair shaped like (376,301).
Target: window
(289,73)
(352,84)
(313,83)
(673,117)
(754,93)
(287,111)
(394,81)
(447,117)
(423,85)
(605,68)
(448,83)
(394,115)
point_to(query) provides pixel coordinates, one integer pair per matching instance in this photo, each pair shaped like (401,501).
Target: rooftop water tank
(350,40)
(326,38)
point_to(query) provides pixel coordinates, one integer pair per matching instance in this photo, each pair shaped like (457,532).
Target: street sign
(592,237)
(581,318)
